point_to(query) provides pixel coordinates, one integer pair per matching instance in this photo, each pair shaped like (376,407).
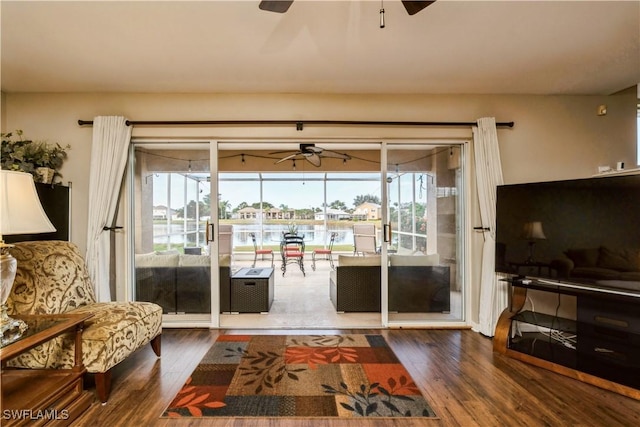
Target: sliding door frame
(207,320)
(463,231)
(385,145)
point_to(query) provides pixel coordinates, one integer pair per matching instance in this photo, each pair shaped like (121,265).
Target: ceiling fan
(311,153)
(281,6)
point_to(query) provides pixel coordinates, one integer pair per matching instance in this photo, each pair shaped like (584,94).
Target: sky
(294,194)
(297,195)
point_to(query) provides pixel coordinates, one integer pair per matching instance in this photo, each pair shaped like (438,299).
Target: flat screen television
(583,232)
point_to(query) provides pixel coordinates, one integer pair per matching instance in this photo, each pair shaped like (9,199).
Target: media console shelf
(600,347)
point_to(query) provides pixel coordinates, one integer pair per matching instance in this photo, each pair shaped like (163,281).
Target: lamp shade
(20,209)
(533,230)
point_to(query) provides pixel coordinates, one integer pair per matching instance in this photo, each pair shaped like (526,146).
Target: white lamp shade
(533,230)
(20,209)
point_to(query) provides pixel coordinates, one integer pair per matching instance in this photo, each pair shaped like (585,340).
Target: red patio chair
(292,251)
(261,252)
(326,252)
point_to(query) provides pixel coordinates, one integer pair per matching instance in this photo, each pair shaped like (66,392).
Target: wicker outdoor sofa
(354,285)
(417,283)
(181,283)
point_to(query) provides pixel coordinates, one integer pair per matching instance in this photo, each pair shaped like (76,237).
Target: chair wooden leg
(103,385)
(103,379)
(156,344)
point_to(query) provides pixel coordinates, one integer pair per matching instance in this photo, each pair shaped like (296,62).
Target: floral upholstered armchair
(52,279)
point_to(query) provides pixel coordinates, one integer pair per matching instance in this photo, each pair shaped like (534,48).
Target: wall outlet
(603,169)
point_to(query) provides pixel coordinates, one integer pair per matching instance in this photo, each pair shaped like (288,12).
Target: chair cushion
(116,330)
(293,254)
(51,278)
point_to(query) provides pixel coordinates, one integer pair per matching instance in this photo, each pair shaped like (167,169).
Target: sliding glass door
(175,261)
(424,233)
(392,211)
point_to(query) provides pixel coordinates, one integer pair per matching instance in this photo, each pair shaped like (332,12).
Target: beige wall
(555,137)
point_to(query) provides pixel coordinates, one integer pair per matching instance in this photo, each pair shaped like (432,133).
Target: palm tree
(223,207)
(338,204)
(366,198)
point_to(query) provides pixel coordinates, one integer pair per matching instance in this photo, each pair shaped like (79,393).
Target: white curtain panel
(111,137)
(493,293)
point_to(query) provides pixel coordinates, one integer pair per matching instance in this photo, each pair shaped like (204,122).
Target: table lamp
(532,231)
(20,213)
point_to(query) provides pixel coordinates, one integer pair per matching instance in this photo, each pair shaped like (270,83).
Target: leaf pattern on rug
(266,369)
(189,399)
(367,400)
(313,356)
(324,341)
(321,350)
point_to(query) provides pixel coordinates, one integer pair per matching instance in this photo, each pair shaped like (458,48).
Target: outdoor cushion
(348,260)
(414,260)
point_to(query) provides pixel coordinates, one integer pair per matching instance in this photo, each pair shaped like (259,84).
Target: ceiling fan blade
(414,7)
(314,159)
(275,6)
(284,151)
(290,157)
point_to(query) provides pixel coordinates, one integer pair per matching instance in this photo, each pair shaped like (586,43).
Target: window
(316,204)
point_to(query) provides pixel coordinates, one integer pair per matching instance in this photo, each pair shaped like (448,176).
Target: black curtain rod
(298,123)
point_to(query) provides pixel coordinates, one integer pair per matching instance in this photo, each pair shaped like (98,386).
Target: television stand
(600,347)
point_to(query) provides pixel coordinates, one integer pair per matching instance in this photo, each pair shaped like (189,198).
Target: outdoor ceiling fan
(311,153)
(279,6)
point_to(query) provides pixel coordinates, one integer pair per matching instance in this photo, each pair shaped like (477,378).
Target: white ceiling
(462,47)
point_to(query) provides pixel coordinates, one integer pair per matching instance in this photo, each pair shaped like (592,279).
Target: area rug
(354,375)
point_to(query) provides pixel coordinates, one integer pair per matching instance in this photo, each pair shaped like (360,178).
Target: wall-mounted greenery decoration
(30,156)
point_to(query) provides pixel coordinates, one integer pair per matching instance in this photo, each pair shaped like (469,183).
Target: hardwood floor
(465,382)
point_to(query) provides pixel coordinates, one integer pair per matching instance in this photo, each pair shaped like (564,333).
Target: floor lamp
(20,213)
